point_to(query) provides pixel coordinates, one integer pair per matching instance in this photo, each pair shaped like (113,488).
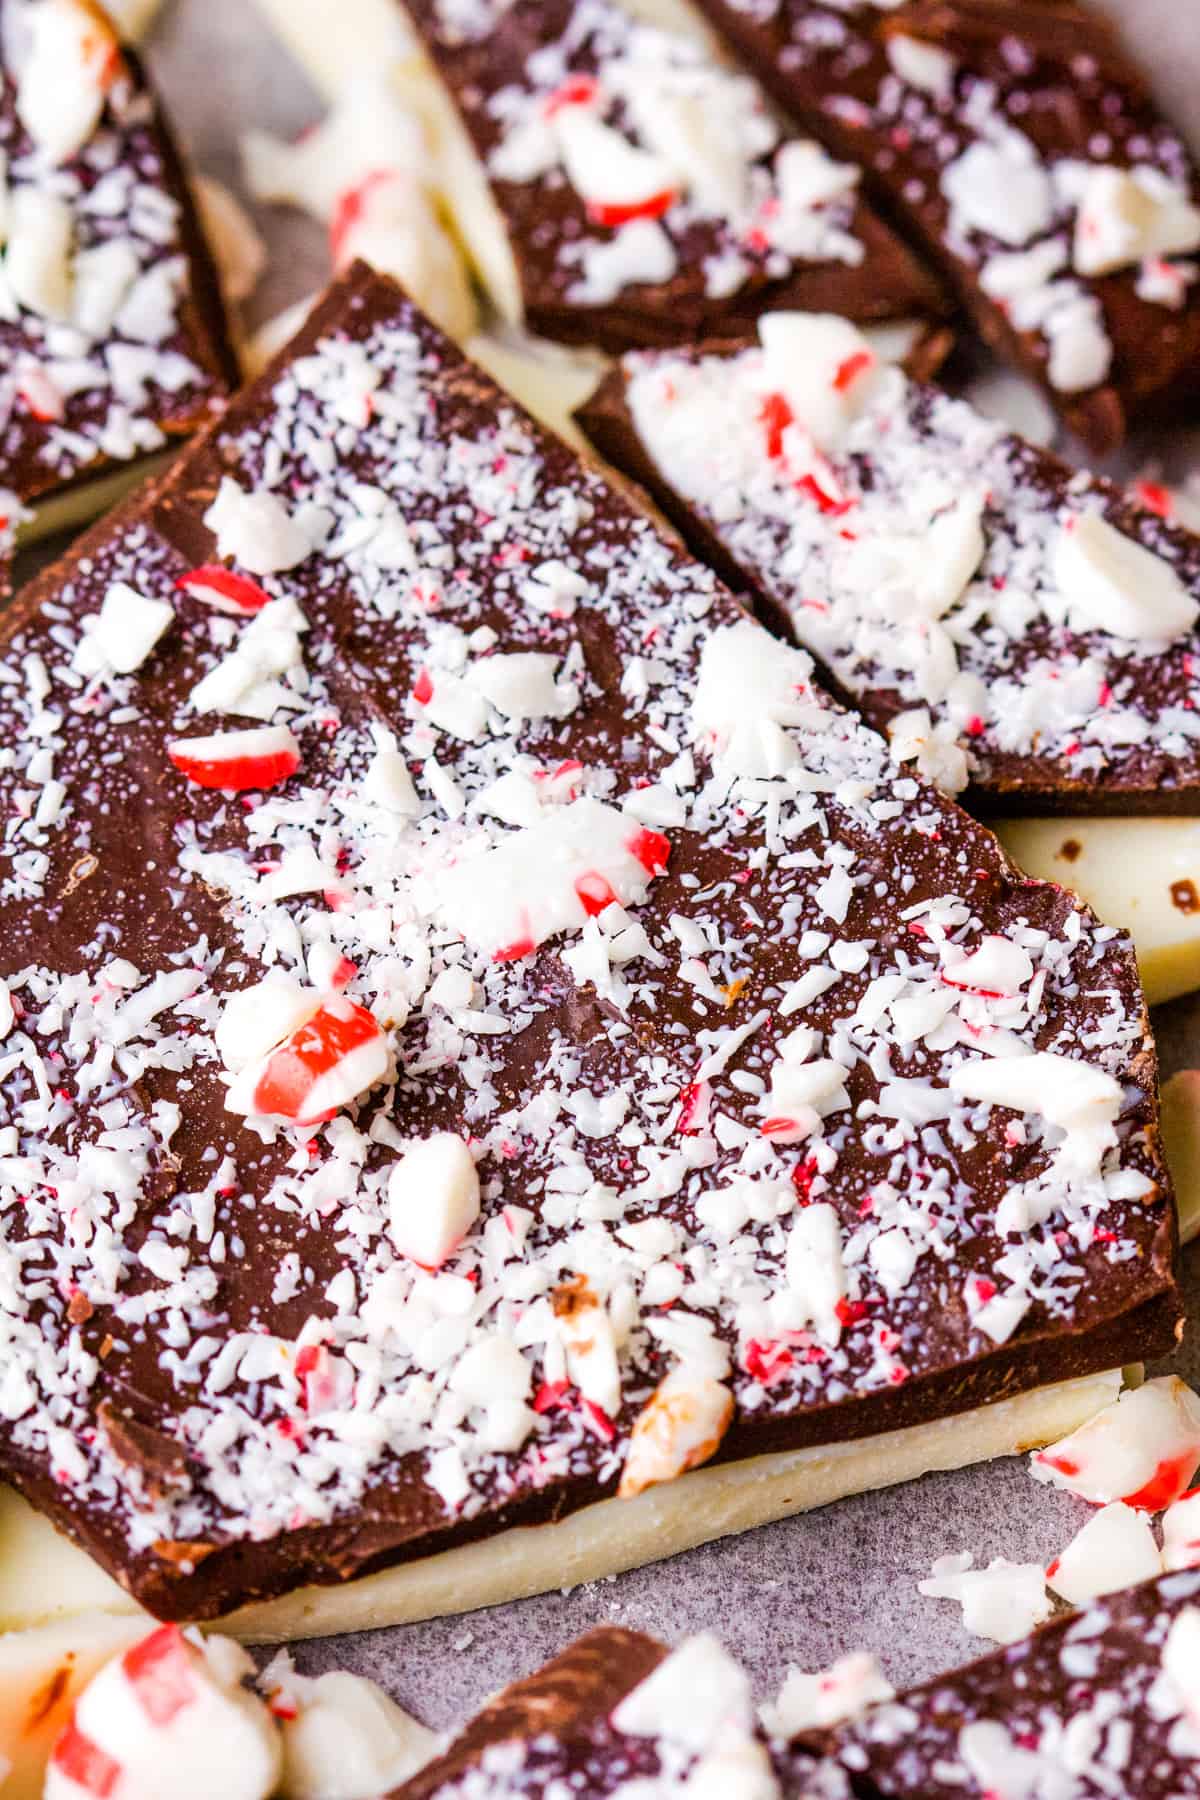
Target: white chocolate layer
(43,1577)
(73,510)
(1181,1143)
(1142,874)
(49,1663)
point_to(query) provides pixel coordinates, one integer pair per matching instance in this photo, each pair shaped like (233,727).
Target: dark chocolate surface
(1053,69)
(511,54)
(743,515)
(74,405)
(1081,1708)
(130,1453)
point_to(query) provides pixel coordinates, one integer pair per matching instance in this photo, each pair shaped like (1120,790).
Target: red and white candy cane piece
(335,1056)
(1144,1449)
(238,760)
(169,1716)
(224,589)
(680,1426)
(1114,1549)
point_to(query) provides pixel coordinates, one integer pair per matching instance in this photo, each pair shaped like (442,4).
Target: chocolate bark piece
(576,865)
(649,194)
(113,341)
(1096,1703)
(992,608)
(1019,147)
(564,1709)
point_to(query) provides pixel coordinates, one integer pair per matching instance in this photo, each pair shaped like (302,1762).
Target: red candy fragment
(237,760)
(624,213)
(594,893)
(350,207)
(1168,1483)
(224,589)
(160,1674)
(576,90)
(652,850)
(85,1763)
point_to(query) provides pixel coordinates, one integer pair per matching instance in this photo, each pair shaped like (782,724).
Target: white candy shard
(256,529)
(343,1737)
(736,1766)
(255,1019)
(37,260)
(1110,583)
(934,749)
(169,1716)
(815,1702)
(604,168)
(689,1698)
(123,632)
(1082,1101)
(1143,1449)
(1115,1549)
(494,1376)
(1000,188)
(680,1427)
(388,783)
(1127,215)
(825,369)
(1003,1602)
(750,688)
(586,1332)
(1181,1533)
(998,967)
(816,1271)
(72,61)
(433,1198)
(922,65)
(550,877)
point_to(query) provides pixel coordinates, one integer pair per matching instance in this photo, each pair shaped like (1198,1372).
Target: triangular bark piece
(1019,147)
(1011,622)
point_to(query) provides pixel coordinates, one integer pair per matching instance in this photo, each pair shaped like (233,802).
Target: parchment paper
(814,1587)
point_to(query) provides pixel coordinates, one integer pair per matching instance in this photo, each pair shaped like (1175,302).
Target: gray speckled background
(813,1587)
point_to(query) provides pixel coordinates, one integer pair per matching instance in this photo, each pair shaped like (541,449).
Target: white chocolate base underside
(77,507)
(44,1578)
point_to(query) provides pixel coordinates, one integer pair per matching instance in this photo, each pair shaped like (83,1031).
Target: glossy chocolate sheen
(113,884)
(42,457)
(1133,777)
(1062,77)
(545,216)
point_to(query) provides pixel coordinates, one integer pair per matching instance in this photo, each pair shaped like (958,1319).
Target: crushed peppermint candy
(648,188)
(396,1106)
(1010,624)
(113,336)
(1022,148)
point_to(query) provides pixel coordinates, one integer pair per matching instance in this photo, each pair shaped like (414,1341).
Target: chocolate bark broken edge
(577,1688)
(392,1525)
(607,423)
(891,283)
(1100,416)
(203,321)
